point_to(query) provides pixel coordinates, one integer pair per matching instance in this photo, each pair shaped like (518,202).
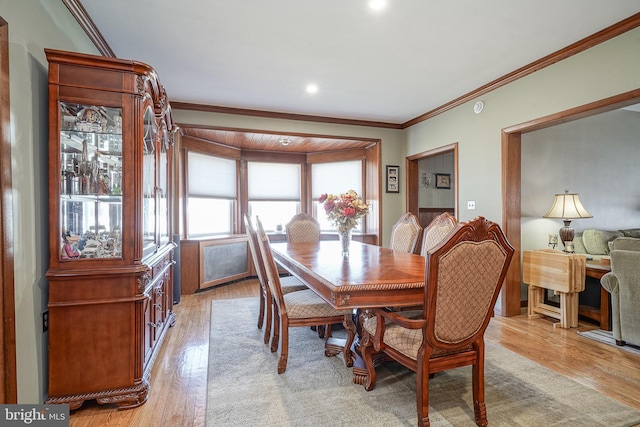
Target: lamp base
(567,233)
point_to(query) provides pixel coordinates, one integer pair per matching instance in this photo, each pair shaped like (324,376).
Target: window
(221,184)
(274,192)
(334,178)
(211,184)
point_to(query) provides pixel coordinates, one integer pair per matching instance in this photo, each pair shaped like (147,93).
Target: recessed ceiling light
(312,88)
(377,4)
(284,141)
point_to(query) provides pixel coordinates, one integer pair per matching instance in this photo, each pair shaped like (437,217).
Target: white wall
(596,157)
(33,25)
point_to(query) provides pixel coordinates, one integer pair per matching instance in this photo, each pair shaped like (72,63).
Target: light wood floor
(179,379)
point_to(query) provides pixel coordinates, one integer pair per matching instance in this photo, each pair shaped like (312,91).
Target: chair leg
(284,347)
(479,407)
(422,392)
(275,338)
(261,312)
(269,314)
(324,331)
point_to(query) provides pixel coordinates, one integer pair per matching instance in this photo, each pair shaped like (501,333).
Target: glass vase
(345,241)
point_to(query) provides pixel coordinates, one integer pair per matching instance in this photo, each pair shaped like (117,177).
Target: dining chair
(300,308)
(405,233)
(432,235)
(463,277)
(302,228)
(436,231)
(287,283)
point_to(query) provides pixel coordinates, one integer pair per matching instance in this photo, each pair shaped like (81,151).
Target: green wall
(33,26)
(605,70)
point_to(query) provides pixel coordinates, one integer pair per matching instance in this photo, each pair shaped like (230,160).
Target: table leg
(359,368)
(360,373)
(536,298)
(568,310)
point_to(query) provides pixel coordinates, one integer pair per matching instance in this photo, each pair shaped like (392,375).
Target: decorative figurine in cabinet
(111,259)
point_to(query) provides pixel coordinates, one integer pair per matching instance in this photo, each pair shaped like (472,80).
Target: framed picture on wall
(443,180)
(393,179)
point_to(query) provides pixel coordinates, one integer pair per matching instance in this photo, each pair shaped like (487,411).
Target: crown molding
(284,116)
(86,23)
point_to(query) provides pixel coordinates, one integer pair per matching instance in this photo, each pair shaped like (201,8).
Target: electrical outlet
(471,204)
(45,321)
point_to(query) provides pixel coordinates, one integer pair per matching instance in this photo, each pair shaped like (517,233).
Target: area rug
(607,338)
(245,389)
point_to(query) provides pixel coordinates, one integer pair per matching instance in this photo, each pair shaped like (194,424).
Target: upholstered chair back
(303,228)
(436,231)
(405,234)
(463,284)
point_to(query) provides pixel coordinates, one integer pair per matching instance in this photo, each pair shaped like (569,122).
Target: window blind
(210,176)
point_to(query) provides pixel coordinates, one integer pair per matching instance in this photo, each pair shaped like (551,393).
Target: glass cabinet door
(149,184)
(91,179)
(163,188)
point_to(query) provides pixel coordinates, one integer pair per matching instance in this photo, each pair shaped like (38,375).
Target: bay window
(220,184)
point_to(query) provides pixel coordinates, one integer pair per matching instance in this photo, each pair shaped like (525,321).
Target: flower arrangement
(344,210)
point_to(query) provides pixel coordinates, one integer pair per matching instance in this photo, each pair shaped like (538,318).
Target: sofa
(623,283)
(597,244)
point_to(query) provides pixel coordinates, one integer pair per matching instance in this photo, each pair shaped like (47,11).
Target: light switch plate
(471,204)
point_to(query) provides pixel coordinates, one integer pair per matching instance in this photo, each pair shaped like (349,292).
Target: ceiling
(265,141)
(389,66)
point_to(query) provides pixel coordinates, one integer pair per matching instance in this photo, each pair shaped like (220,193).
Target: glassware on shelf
(91,179)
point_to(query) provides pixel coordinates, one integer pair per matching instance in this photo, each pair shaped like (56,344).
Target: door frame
(510,304)
(9,387)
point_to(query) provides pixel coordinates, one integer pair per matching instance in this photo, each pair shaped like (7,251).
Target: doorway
(432,183)
(511,183)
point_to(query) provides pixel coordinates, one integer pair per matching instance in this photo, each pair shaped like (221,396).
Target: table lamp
(567,206)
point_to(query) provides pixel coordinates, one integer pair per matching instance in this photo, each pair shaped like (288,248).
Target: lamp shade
(567,206)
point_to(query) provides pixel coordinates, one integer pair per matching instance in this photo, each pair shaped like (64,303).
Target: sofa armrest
(610,283)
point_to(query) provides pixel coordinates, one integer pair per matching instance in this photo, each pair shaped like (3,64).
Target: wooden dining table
(370,276)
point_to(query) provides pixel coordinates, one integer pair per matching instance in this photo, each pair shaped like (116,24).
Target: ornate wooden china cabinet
(111,257)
